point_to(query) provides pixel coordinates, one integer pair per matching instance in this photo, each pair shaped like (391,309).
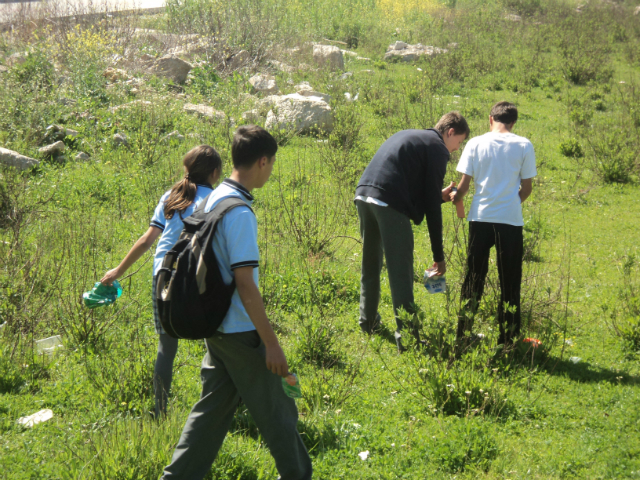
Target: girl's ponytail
(199,163)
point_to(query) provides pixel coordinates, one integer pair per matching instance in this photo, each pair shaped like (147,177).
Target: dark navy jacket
(407,173)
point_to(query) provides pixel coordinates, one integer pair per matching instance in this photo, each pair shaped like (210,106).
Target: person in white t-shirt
(502,166)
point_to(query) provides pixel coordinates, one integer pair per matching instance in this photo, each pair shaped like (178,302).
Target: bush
(571,148)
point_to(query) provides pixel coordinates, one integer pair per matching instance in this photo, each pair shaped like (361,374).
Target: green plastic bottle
(291,386)
(101,295)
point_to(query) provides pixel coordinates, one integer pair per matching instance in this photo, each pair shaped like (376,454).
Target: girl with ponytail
(202,166)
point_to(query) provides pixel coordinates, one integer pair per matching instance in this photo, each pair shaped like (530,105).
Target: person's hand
(440,267)
(110,277)
(452,196)
(276,361)
(446,193)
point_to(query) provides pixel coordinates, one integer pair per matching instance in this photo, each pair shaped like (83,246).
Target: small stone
(175,135)
(3,69)
(120,139)
(264,84)
(363,59)
(399,45)
(147,58)
(345,75)
(205,111)
(53,149)
(82,156)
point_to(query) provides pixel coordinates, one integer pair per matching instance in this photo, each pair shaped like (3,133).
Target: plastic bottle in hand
(291,386)
(459,205)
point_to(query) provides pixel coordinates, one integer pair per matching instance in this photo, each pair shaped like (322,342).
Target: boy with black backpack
(244,359)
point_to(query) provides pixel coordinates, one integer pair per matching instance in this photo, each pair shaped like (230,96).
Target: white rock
(16,160)
(38,417)
(637,10)
(328,55)
(283,67)
(300,113)
(264,83)
(49,345)
(363,59)
(512,17)
(345,75)
(205,111)
(172,67)
(82,156)
(399,45)
(239,60)
(303,86)
(120,139)
(175,135)
(53,149)
(349,53)
(252,116)
(411,53)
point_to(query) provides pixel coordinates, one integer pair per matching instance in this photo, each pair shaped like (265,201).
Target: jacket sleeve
(433,201)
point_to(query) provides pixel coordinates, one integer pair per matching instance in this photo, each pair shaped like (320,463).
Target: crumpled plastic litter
(49,345)
(38,417)
(101,295)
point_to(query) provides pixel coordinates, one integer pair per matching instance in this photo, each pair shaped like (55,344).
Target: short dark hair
(504,112)
(453,120)
(250,143)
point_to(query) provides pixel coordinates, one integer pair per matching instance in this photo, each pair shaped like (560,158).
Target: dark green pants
(387,232)
(234,368)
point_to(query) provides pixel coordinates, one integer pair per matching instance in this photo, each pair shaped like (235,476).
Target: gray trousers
(234,368)
(385,231)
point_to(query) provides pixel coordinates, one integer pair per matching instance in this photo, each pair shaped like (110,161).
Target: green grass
(536,414)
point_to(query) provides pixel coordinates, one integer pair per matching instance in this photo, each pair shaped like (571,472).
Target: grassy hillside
(568,409)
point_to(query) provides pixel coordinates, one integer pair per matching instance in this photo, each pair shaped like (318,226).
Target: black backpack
(191,296)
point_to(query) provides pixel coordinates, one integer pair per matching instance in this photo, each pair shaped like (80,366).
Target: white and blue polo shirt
(235,245)
(172,228)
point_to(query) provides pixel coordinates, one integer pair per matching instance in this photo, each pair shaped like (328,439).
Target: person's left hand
(446,193)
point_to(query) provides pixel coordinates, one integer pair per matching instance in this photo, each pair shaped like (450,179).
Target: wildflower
(364,455)
(535,343)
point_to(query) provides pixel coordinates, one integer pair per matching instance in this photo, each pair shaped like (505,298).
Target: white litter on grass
(48,345)
(364,455)
(574,359)
(38,417)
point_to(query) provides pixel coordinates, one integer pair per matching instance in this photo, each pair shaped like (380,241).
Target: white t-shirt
(497,162)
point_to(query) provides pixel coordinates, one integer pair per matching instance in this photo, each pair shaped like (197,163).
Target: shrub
(571,148)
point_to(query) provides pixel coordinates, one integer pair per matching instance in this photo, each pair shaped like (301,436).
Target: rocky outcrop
(410,53)
(52,150)
(328,56)
(300,113)
(16,160)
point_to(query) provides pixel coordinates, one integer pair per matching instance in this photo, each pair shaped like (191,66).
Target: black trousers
(508,241)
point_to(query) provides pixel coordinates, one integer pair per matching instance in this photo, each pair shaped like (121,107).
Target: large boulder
(264,84)
(411,53)
(205,111)
(328,55)
(172,67)
(16,160)
(300,113)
